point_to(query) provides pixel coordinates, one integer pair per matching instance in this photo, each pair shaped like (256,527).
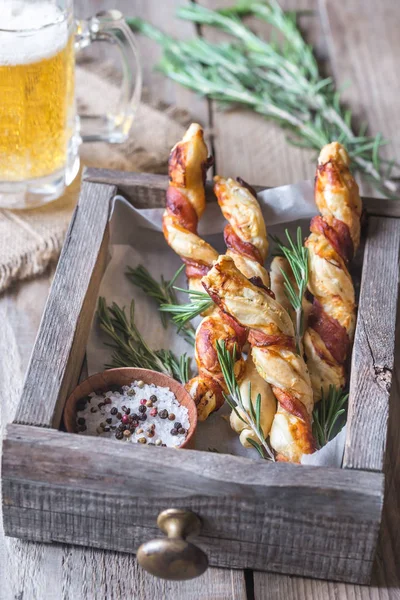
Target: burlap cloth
(30,240)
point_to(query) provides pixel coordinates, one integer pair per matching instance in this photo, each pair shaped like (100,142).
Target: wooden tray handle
(173,557)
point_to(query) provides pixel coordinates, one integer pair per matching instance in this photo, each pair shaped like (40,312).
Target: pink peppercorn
(125,419)
(153,412)
(143,401)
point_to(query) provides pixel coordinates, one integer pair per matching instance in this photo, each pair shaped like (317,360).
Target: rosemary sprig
(252,416)
(297,256)
(280,81)
(328,415)
(183,313)
(131,350)
(163,292)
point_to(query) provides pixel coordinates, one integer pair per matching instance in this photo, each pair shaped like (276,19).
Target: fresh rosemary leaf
(163,292)
(277,78)
(183,313)
(329,415)
(235,401)
(130,349)
(297,256)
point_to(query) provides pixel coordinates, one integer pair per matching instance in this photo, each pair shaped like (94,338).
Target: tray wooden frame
(309,521)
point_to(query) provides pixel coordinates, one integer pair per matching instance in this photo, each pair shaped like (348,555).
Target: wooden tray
(302,520)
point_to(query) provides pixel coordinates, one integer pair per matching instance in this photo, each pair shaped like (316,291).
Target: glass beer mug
(40,132)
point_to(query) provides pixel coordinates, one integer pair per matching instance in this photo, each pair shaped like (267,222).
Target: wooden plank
(364,45)
(373,352)
(60,346)
(63,572)
(146,190)
(246,144)
(249,515)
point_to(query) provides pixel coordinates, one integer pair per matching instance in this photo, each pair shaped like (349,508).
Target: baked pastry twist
(245,235)
(185,203)
(247,243)
(271,335)
(335,236)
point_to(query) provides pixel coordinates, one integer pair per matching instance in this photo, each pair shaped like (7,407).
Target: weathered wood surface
(282,517)
(67,318)
(373,351)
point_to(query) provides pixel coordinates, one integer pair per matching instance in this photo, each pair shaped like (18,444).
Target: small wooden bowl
(125,376)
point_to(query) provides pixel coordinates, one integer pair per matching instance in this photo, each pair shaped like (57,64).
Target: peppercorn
(114,410)
(150,444)
(82,428)
(81,405)
(125,419)
(142,440)
(163,414)
(134,416)
(101,404)
(127,433)
(124,408)
(140,430)
(174,431)
(158,442)
(106,429)
(150,434)
(119,435)
(153,412)
(99,429)
(107,400)
(177,425)
(142,417)
(149,403)
(153,398)
(119,415)
(109,420)
(143,401)
(140,384)
(171,417)
(81,421)
(181,430)
(142,409)
(130,392)
(93,409)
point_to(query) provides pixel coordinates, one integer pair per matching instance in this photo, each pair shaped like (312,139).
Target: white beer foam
(30,31)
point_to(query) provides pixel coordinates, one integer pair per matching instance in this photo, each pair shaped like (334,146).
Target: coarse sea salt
(97,418)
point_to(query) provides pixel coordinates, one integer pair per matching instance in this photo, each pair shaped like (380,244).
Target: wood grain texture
(145,190)
(309,521)
(373,351)
(60,346)
(364,46)
(246,144)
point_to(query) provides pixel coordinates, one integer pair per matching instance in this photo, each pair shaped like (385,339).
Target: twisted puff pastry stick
(247,243)
(185,203)
(334,239)
(246,239)
(271,335)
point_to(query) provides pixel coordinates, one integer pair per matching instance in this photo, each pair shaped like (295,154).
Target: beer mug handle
(110,26)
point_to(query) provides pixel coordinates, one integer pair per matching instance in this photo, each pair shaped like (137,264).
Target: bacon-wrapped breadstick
(271,335)
(247,243)
(187,168)
(334,239)
(185,204)
(245,235)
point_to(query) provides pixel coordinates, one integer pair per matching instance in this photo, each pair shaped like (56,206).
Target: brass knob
(173,557)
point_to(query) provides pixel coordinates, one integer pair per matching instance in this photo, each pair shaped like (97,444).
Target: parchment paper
(136,238)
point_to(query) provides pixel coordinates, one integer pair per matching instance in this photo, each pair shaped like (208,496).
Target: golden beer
(36,104)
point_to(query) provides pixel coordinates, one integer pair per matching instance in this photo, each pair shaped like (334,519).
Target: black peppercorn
(119,415)
(174,431)
(109,420)
(142,409)
(119,435)
(81,405)
(82,428)
(107,400)
(177,425)
(181,430)
(153,398)
(93,409)
(81,421)
(134,416)
(163,414)
(142,417)
(124,408)
(114,410)
(101,404)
